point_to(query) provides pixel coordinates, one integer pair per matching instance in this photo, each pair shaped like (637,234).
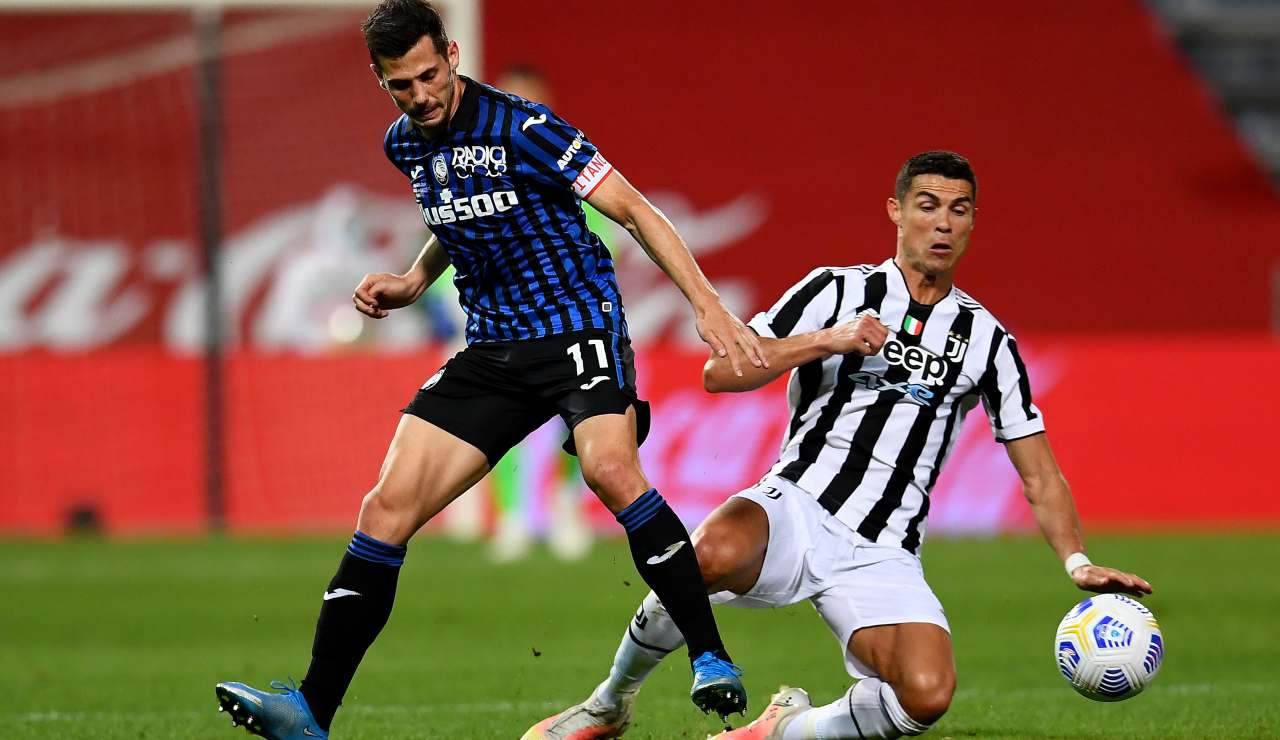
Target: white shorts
(852,581)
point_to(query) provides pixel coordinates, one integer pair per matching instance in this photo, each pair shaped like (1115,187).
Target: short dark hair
(396,26)
(947,164)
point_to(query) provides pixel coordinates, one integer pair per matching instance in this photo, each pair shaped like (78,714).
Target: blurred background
(189,192)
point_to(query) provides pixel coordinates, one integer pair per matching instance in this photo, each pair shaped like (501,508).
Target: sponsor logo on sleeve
(592,175)
(574,147)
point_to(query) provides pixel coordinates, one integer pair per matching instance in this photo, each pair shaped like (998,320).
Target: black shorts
(494,394)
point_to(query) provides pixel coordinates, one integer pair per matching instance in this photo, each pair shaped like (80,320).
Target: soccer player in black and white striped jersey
(886,360)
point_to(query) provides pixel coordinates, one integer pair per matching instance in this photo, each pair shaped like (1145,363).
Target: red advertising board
(1145,441)
(1121,228)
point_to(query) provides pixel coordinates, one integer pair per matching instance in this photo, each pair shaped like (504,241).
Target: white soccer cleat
(785,706)
(590,720)
(511,541)
(570,535)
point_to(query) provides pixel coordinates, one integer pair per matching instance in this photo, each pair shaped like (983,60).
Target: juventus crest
(956,347)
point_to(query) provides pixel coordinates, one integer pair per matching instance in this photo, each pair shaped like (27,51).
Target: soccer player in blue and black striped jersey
(500,181)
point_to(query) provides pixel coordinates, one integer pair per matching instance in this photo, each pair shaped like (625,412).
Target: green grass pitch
(125,640)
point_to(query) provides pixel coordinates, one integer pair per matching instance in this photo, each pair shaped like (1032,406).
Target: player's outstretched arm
(381,292)
(1055,511)
(725,333)
(864,335)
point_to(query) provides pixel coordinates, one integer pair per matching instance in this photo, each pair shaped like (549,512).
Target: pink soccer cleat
(590,720)
(785,706)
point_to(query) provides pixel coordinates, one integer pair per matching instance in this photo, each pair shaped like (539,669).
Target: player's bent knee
(716,561)
(724,559)
(615,480)
(926,696)
(387,516)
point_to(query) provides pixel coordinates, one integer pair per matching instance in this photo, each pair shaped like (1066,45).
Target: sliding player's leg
(894,638)
(910,679)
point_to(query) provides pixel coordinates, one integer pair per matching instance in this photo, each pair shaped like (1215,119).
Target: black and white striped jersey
(868,435)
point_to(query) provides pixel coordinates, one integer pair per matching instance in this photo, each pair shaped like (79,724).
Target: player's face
(934,222)
(422,83)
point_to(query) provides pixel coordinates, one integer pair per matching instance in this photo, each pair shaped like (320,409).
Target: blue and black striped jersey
(502,189)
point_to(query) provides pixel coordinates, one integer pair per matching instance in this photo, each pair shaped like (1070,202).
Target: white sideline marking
(455,708)
(531,707)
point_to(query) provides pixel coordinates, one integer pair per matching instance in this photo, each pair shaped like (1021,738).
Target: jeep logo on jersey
(932,368)
(573,149)
(486,161)
(440,169)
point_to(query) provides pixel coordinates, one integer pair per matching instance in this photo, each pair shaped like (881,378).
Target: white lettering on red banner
(591,176)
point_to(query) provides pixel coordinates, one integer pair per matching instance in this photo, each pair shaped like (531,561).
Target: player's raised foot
(717,686)
(277,716)
(590,720)
(783,707)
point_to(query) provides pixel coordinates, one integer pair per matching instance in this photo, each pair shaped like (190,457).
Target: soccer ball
(1109,647)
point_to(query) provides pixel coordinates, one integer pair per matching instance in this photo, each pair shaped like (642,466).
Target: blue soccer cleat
(275,716)
(716,686)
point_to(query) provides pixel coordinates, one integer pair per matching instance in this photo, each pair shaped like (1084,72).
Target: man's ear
(894,209)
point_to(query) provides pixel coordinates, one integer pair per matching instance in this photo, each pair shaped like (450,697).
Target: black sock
(355,609)
(665,558)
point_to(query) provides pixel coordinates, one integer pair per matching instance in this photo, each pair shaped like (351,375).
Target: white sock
(905,723)
(868,710)
(650,637)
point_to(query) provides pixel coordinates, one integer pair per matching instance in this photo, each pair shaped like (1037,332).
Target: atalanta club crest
(440,169)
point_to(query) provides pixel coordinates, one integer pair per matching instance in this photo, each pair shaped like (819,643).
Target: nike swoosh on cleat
(307,731)
(664,557)
(534,121)
(251,698)
(338,593)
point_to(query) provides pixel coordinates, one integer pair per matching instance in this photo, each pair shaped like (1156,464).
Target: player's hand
(729,337)
(378,294)
(865,335)
(1103,580)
